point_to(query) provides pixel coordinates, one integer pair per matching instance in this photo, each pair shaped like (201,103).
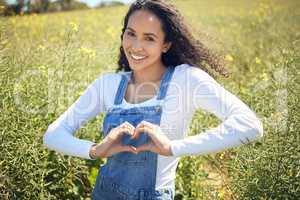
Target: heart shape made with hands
(159,143)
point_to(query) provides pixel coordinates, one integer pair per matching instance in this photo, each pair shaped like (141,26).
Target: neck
(149,74)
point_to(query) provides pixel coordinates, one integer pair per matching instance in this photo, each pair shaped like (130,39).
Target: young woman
(149,102)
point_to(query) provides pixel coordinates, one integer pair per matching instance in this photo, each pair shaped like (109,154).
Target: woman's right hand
(111,144)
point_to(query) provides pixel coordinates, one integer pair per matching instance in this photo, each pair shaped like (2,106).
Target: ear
(167,46)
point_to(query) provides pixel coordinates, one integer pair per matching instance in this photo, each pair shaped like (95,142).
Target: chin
(138,66)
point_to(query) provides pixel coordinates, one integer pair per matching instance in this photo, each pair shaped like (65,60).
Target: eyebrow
(144,33)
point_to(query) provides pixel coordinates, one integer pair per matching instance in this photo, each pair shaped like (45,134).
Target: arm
(60,134)
(239,123)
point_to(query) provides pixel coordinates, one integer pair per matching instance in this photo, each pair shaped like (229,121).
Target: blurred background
(50,51)
(11,7)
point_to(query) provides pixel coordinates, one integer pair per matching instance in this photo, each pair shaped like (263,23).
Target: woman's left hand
(159,143)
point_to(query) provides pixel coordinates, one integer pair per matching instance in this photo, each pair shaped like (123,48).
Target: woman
(149,102)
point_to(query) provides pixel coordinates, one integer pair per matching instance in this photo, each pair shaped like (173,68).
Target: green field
(47,60)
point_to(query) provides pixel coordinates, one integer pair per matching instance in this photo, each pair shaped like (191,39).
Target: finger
(145,123)
(144,147)
(144,126)
(130,127)
(126,123)
(125,130)
(155,133)
(128,148)
(126,127)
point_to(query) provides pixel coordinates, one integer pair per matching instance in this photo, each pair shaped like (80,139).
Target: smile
(136,57)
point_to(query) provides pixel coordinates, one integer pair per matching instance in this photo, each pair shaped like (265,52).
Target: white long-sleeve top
(190,89)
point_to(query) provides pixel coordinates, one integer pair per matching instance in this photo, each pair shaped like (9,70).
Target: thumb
(144,147)
(128,148)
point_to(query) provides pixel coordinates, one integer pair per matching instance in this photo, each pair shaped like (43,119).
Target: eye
(150,39)
(130,33)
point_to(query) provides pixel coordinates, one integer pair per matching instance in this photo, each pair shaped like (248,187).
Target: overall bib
(125,175)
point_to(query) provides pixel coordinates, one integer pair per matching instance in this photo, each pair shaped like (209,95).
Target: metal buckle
(158,108)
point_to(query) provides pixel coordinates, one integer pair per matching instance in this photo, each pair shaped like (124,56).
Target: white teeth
(137,57)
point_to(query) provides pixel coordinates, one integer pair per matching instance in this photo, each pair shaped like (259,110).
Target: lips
(137,57)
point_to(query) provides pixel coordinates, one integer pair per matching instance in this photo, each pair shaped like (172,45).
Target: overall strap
(121,90)
(165,83)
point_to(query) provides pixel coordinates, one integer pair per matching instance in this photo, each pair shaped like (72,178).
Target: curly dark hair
(184,49)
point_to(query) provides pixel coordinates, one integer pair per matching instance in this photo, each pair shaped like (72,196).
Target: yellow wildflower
(42,67)
(41,47)
(229,58)
(264,76)
(222,193)
(290,173)
(222,156)
(73,26)
(80,92)
(89,52)
(18,87)
(257,60)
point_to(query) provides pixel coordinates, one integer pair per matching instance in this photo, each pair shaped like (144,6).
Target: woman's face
(143,40)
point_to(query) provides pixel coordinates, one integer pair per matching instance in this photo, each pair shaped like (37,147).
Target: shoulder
(109,77)
(190,73)
(105,83)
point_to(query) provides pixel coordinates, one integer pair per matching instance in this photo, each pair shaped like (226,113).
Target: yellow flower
(257,60)
(42,67)
(229,58)
(19,88)
(80,92)
(264,76)
(74,26)
(89,52)
(222,193)
(41,47)
(290,173)
(222,156)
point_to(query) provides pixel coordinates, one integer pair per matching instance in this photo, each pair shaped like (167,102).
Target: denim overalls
(128,176)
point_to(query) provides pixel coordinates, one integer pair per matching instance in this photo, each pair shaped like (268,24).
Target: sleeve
(239,123)
(60,134)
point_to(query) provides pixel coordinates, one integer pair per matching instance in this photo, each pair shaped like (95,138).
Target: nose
(137,46)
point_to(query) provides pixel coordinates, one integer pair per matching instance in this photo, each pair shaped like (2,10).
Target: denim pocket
(105,189)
